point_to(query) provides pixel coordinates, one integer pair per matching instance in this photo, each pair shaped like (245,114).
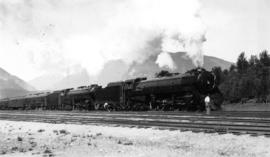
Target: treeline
(248,79)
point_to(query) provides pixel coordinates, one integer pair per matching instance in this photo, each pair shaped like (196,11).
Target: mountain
(11,85)
(79,78)
(182,63)
(116,70)
(46,81)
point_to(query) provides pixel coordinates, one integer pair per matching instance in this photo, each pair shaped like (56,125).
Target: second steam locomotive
(181,92)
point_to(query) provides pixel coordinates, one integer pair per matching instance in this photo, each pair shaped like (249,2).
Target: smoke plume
(59,35)
(165,60)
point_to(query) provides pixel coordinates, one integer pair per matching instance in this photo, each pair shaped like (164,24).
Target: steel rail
(206,124)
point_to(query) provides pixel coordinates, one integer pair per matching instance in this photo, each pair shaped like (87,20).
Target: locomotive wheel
(217,100)
(166,107)
(195,102)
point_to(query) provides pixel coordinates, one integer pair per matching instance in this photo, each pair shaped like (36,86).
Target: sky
(46,36)
(235,26)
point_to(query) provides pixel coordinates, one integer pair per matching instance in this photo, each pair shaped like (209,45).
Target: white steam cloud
(165,60)
(58,35)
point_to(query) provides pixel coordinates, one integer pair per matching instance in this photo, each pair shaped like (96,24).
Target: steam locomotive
(181,92)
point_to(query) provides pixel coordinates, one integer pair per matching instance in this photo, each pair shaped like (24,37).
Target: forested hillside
(248,79)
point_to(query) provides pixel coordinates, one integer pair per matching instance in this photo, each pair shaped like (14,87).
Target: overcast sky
(49,36)
(235,26)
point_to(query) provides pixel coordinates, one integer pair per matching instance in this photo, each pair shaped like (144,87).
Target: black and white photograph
(134,78)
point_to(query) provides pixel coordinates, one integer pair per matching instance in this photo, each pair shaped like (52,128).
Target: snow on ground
(42,139)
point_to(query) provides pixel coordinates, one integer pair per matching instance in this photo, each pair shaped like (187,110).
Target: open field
(247,107)
(42,139)
(64,133)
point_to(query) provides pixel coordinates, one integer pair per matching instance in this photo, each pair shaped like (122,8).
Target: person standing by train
(207,104)
(106,106)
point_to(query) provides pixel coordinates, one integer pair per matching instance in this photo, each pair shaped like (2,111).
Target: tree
(265,82)
(253,60)
(247,79)
(219,75)
(232,68)
(263,72)
(225,72)
(242,63)
(264,58)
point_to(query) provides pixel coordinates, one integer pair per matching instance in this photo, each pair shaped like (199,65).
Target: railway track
(254,123)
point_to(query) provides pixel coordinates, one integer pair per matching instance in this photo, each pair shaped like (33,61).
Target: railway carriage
(36,101)
(16,103)
(4,103)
